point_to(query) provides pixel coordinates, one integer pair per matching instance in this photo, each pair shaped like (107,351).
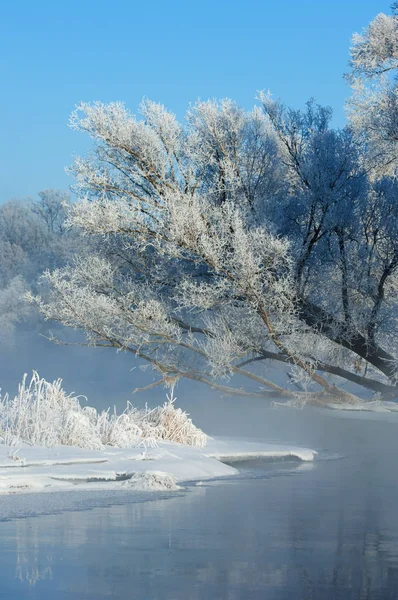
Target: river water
(282,530)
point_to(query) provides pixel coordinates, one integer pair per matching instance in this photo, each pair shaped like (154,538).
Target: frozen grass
(42,414)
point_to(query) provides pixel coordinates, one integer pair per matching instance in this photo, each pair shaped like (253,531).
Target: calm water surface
(327,530)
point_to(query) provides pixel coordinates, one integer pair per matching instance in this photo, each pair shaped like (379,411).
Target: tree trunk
(336,331)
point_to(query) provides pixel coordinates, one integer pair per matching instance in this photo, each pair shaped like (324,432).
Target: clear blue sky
(55,53)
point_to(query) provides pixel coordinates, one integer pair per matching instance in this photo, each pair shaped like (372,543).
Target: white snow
(370,406)
(153,481)
(26,468)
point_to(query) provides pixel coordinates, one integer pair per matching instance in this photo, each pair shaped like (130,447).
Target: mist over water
(282,530)
(107,377)
(104,376)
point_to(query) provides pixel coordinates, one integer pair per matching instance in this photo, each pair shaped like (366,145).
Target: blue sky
(56,53)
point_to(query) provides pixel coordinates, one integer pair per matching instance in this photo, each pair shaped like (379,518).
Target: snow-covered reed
(42,414)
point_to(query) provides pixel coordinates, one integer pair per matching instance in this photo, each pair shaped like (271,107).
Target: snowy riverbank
(31,469)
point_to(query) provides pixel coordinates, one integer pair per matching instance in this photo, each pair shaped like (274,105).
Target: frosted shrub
(42,414)
(170,423)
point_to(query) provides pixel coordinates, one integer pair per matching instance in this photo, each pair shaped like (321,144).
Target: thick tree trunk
(388,392)
(336,331)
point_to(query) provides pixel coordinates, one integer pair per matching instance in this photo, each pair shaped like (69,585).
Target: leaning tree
(239,239)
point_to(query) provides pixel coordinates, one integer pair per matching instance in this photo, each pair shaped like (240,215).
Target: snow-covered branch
(229,236)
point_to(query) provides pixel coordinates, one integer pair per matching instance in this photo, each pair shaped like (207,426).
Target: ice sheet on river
(31,469)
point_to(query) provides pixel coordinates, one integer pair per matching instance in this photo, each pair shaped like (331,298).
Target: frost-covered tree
(343,228)
(13,308)
(373,107)
(52,209)
(32,235)
(32,239)
(229,241)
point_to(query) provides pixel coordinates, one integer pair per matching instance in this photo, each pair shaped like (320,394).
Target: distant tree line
(33,238)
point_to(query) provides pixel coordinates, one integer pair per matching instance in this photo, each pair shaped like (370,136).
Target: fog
(105,377)
(281,530)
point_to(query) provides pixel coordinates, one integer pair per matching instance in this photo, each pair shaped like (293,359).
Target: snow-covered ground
(31,469)
(369,406)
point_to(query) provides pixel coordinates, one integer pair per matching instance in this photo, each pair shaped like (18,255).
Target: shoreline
(25,469)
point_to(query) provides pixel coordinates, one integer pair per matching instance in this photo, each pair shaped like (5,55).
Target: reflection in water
(328,531)
(30,566)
